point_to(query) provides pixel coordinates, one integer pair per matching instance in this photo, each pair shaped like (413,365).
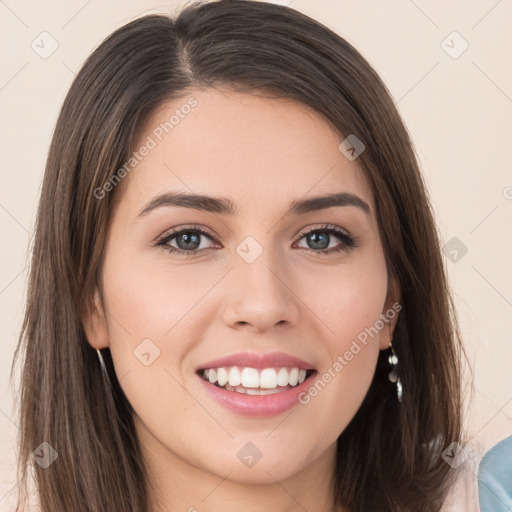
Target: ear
(390,313)
(95,323)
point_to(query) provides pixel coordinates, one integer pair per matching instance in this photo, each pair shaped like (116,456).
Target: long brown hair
(389,457)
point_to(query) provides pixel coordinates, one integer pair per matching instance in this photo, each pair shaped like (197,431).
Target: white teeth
(249,391)
(250,378)
(268,378)
(222,376)
(235,378)
(282,377)
(294,377)
(254,381)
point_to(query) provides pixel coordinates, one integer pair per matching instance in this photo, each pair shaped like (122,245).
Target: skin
(261,154)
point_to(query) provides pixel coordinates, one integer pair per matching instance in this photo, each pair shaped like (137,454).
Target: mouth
(254,381)
(256,393)
(256,385)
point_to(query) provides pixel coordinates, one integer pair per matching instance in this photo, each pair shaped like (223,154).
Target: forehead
(252,149)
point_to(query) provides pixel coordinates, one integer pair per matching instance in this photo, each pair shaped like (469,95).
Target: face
(254,278)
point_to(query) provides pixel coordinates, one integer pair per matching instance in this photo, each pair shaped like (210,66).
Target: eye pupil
(189,237)
(316,239)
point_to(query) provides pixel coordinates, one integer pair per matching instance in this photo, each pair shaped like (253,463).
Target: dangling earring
(392,375)
(102,363)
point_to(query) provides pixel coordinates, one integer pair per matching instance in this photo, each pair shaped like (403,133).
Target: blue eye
(319,239)
(188,240)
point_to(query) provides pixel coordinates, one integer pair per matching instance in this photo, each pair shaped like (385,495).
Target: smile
(256,393)
(254,381)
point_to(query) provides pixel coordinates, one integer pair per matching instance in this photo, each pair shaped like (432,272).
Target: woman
(237,297)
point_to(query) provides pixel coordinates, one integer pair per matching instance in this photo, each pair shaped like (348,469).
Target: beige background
(458,110)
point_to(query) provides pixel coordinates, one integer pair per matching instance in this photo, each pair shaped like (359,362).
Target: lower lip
(257,405)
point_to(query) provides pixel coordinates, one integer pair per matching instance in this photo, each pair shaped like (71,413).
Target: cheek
(348,299)
(336,393)
(349,307)
(151,300)
(155,316)
(149,309)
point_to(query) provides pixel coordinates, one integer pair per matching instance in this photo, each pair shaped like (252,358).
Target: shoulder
(463,496)
(495,478)
(484,478)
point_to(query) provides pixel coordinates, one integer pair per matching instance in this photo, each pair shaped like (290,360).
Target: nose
(260,295)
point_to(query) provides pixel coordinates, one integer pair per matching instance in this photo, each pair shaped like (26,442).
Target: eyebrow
(227,207)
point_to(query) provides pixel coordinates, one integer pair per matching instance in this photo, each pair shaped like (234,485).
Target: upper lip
(258,361)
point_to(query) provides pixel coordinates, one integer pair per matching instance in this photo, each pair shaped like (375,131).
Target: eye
(185,241)
(188,240)
(319,240)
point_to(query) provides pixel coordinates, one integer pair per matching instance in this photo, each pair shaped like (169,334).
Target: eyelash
(348,241)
